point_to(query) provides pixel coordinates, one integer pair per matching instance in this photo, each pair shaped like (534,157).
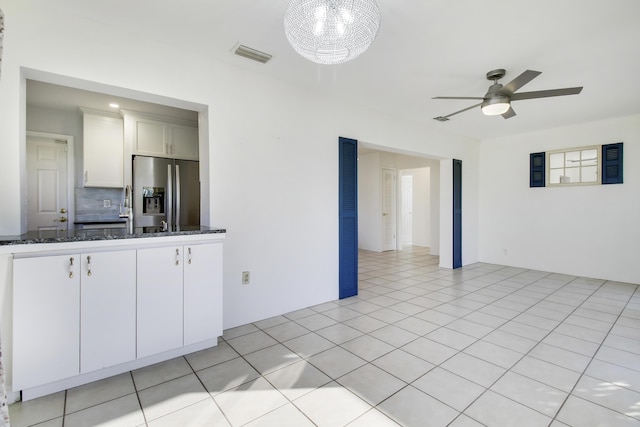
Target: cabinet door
(159,314)
(151,138)
(103,151)
(184,142)
(107,309)
(202,292)
(46,319)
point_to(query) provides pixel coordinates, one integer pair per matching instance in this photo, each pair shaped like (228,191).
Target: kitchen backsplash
(90,204)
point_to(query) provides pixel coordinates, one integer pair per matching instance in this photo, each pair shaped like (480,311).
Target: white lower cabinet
(46,319)
(107,309)
(159,300)
(202,292)
(179,296)
(79,313)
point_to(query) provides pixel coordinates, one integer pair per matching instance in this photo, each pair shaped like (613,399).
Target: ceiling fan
(497,100)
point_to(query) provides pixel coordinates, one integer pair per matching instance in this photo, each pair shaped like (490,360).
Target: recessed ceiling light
(114,105)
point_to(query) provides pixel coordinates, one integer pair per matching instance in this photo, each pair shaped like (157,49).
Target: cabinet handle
(189,255)
(86,176)
(88,265)
(177,256)
(71,268)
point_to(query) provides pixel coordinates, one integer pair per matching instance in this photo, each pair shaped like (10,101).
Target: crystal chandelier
(331,31)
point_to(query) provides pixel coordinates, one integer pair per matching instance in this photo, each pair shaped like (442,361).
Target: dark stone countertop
(84,235)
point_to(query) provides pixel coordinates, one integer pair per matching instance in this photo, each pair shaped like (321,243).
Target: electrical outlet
(245,277)
(106,203)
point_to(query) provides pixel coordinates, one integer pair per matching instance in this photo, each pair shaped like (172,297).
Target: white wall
(421,205)
(273,166)
(369,202)
(591,231)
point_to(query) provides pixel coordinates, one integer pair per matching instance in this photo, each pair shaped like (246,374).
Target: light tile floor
(419,346)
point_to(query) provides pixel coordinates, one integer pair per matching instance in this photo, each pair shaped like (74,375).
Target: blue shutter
(612,163)
(536,169)
(457,213)
(348,218)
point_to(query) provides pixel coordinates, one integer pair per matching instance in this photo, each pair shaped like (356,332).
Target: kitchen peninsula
(91,303)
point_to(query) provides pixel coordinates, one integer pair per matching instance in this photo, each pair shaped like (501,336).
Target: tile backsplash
(90,204)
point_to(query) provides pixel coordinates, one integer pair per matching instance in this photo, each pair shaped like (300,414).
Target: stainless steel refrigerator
(165,191)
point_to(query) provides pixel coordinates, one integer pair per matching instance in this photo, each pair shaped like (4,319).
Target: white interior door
(406,210)
(388,209)
(47,201)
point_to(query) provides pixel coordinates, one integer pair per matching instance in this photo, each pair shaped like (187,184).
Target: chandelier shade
(331,31)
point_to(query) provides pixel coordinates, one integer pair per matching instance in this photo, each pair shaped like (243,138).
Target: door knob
(63,210)
(63,219)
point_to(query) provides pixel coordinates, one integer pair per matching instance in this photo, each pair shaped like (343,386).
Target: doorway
(50,171)
(414,216)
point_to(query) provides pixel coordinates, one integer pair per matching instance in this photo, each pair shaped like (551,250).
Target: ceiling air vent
(247,52)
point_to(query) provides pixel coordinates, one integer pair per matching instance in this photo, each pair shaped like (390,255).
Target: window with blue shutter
(536,169)
(612,163)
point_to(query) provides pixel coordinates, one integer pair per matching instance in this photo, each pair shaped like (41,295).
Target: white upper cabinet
(160,137)
(151,138)
(103,139)
(184,142)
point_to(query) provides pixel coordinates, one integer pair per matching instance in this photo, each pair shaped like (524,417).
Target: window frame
(598,166)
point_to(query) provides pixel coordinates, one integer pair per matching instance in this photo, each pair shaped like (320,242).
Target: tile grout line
(135,388)
(524,355)
(206,389)
(582,374)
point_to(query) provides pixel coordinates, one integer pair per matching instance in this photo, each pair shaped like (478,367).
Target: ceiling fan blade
(445,118)
(510,113)
(458,97)
(520,81)
(546,93)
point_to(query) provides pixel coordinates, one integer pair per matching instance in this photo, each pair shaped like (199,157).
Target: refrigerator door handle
(177,194)
(169,201)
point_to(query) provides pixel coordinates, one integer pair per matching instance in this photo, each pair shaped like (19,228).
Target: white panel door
(388,209)
(47,205)
(159,305)
(202,292)
(46,320)
(107,309)
(406,212)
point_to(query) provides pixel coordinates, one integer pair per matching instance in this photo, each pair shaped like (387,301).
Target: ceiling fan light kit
(331,31)
(497,100)
(495,106)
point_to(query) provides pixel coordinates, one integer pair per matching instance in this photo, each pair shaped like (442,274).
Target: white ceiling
(424,49)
